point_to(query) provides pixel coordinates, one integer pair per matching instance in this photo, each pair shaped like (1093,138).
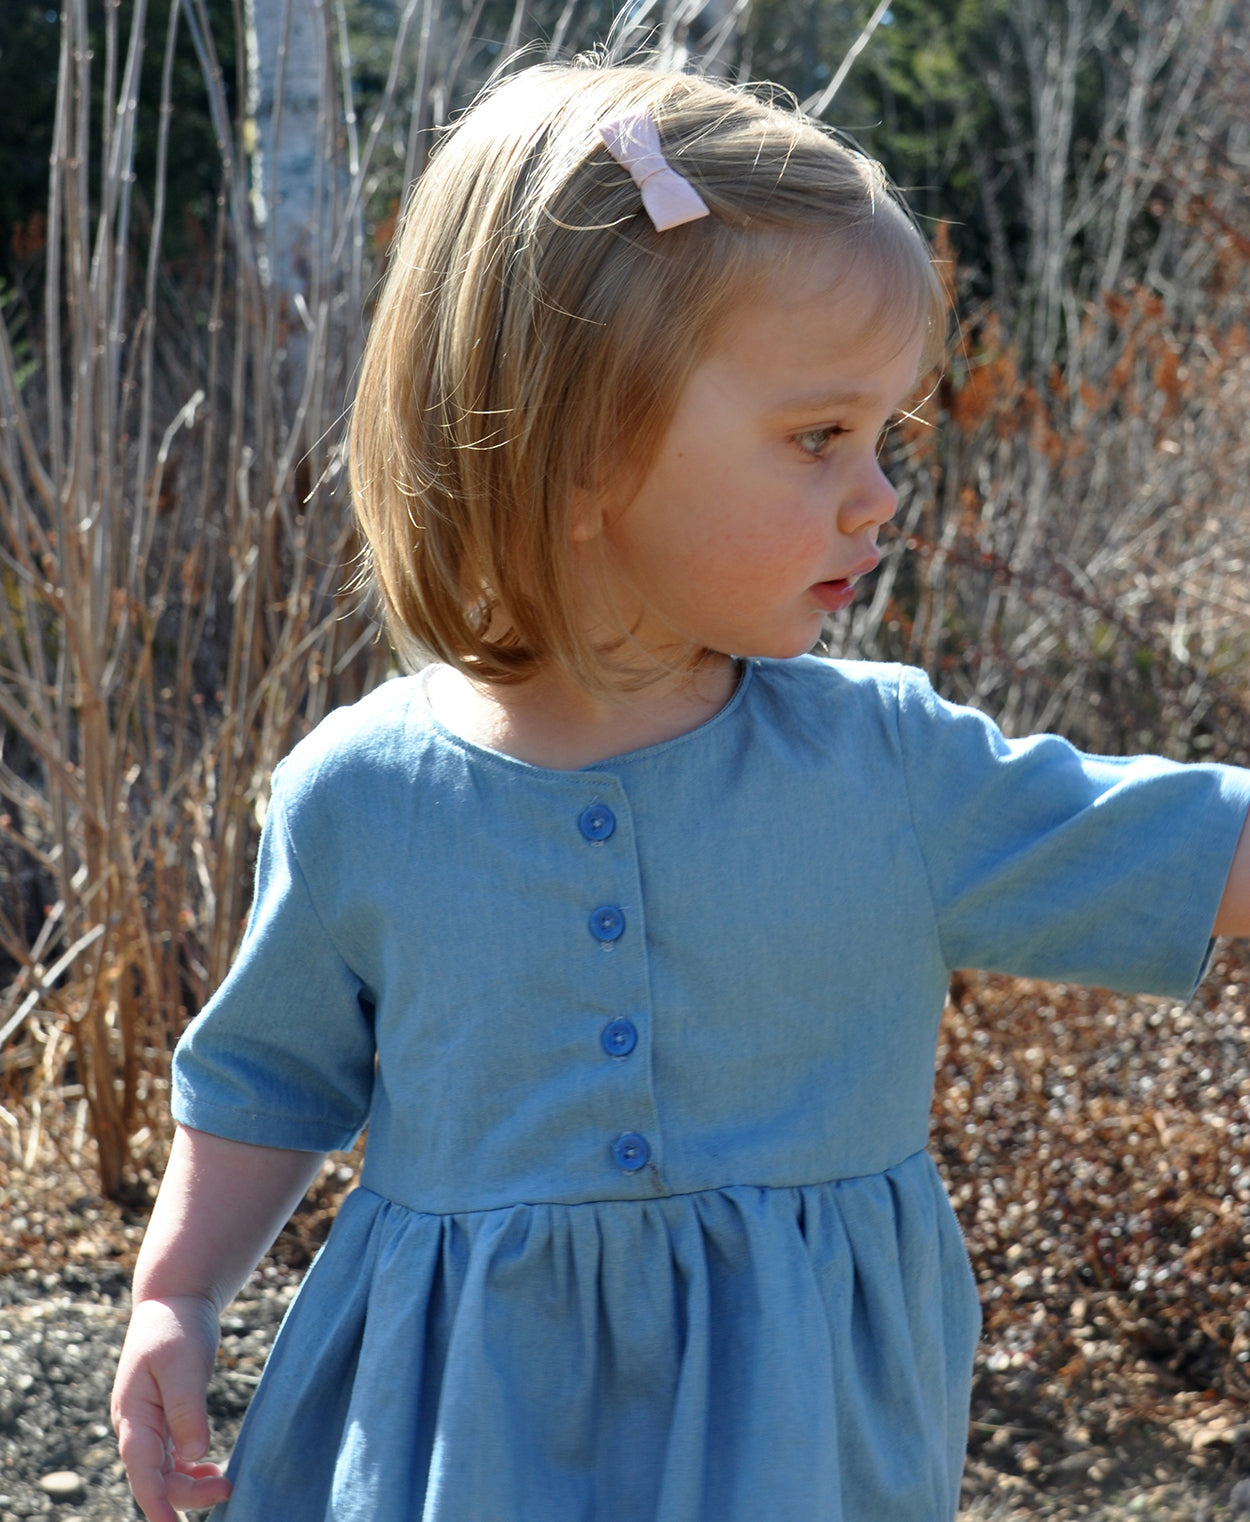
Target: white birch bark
(297,197)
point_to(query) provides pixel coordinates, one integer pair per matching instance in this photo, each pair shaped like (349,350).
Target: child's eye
(814,441)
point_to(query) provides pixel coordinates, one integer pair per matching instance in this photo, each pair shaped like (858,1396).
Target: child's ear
(585,515)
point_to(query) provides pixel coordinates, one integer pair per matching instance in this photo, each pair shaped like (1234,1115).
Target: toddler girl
(626,924)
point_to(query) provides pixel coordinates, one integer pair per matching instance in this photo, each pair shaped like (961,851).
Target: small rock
(1239,1501)
(62,1484)
(1076,1463)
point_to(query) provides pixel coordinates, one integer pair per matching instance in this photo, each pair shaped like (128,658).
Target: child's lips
(835,595)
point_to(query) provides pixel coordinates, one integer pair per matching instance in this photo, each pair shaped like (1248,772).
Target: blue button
(597,822)
(631,1151)
(607,923)
(619,1038)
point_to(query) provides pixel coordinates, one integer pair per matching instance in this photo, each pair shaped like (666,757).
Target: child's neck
(549,721)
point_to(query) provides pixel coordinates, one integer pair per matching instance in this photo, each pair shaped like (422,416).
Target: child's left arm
(220,1205)
(1233,917)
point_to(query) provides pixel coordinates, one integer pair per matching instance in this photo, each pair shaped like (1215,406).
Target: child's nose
(871,503)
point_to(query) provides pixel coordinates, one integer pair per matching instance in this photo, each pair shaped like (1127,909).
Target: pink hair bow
(634,142)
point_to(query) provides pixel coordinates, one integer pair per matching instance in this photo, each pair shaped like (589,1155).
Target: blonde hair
(534,333)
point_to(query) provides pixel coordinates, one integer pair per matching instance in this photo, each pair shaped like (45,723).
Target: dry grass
(172,556)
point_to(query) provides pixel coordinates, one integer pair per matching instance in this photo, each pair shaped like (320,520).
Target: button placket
(610,925)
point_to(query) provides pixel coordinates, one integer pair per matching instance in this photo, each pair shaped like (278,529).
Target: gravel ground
(59,1341)
(60,1335)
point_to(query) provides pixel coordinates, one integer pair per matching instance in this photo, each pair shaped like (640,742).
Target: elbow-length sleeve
(283,1053)
(1045,862)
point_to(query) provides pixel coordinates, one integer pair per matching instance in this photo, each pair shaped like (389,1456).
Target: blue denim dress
(646,1230)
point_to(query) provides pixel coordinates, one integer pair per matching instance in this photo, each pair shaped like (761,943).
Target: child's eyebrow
(832,401)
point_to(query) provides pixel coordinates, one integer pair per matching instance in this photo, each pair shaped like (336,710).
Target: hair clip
(668,199)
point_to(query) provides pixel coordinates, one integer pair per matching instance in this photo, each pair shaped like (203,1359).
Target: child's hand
(158,1406)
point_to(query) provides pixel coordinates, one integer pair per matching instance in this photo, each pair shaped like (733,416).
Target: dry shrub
(172,617)
(1077,547)
(1097,1149)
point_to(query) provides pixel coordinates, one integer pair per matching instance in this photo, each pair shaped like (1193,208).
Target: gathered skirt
(797,1354)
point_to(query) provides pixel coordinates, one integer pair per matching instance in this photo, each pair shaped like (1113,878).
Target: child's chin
(801,646)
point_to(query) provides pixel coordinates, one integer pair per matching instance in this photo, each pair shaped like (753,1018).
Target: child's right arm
(221,1204)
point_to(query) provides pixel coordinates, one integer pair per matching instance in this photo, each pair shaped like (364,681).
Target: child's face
(762,506)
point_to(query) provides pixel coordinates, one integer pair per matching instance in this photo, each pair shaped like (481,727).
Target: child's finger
(195,1487)
(141,1443)
(200,1471)
(161,1485)
(161,1495)
(185,1415)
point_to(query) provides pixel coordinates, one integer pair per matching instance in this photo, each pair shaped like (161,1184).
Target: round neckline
(487,753)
